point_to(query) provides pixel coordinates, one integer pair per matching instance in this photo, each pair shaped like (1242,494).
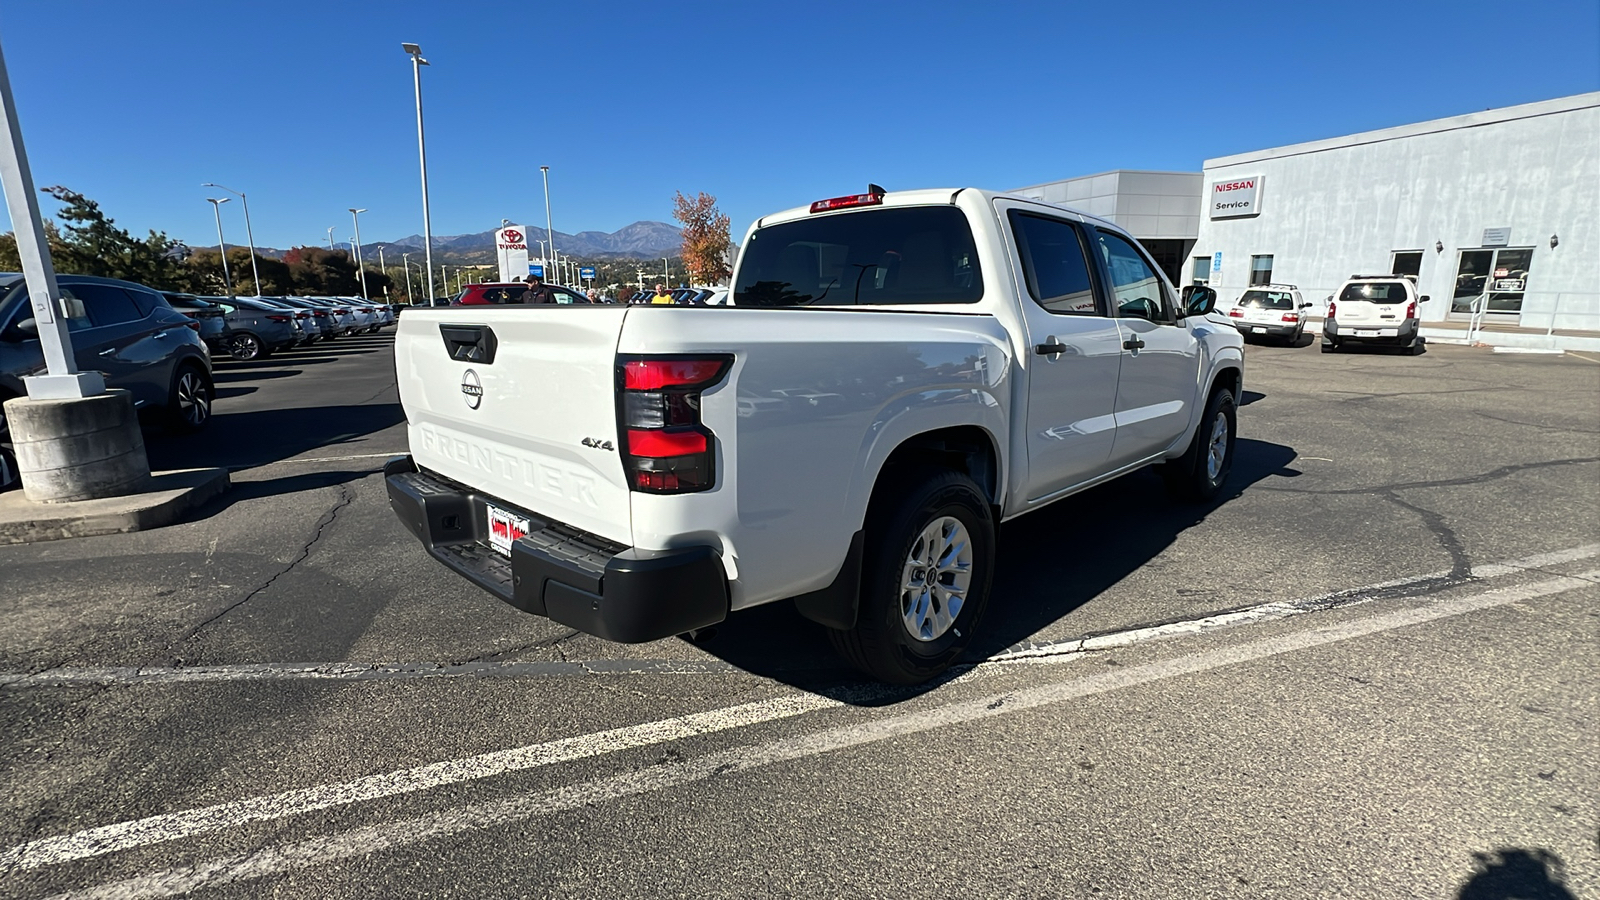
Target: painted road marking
(365,841)
(106,676)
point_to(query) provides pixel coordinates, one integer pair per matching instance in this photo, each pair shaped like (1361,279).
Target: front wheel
(1199,473)
(189,408)
(245,346)
(930,547)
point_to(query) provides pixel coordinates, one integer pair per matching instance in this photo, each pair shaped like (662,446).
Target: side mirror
(1305,306)
(22,330)
(1200,301)
(1423,299)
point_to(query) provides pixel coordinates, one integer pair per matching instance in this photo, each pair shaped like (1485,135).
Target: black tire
(1192,477)
(1416,348)
(9,475)
(244,346)
(190,401)
(905,505)
(1329,347)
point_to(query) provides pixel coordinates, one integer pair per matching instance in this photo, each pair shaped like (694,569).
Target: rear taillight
(666,449)
(1291,317)
(1331,306)
(1235,313)
(1411,310)
(193,326)
(278,318)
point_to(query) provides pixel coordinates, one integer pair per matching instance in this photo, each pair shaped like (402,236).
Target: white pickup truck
(897,374)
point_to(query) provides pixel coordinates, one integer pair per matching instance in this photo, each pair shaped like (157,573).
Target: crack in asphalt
(1537,425)
(346,497)
(545,644)
(1492,475)
(1460,566)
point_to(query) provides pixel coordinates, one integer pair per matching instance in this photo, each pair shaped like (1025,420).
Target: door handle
(159,335)
(1133,343)
(108,352)
(1052,347)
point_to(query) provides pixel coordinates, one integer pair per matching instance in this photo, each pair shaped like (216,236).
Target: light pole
(417,62)
(548,232)
(222,246)
(542,260)
(355,216)
(666,271)
(249,234)
(405,262)
(384,271)
(330,237)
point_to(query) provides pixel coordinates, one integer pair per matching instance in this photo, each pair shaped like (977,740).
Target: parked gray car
(256,329)
(213,325)
(125,331)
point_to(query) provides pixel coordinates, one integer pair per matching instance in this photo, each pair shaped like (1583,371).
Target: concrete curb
(168,496)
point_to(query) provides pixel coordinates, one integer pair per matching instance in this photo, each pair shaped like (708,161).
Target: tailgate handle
(469,343)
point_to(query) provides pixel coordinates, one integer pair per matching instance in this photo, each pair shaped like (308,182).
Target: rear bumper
(1267,329)
(618,593)
(1403,333)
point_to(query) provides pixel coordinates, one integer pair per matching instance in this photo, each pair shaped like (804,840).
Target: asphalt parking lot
(1370,670)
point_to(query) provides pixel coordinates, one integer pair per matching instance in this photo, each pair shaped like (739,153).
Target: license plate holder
(505,527)
(1366,332)
(1259,330)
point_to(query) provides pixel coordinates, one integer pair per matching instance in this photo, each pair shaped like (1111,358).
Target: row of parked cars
(248,328)
(1374,310)
(159,346)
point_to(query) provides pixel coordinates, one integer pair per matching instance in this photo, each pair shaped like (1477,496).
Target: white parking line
(105,676)
(365,841)
(172,826)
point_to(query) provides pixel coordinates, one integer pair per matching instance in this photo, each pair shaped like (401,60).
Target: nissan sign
(1235,197)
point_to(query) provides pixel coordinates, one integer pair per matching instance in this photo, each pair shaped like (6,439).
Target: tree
(318,272)
(705,237)
(91,244)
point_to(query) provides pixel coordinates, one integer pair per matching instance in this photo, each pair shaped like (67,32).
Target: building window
(1260,270)
(1200,273)
(1406,262)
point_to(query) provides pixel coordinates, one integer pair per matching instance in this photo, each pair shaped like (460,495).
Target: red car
(494,293)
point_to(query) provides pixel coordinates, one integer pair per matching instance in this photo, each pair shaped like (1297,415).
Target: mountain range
(641,240)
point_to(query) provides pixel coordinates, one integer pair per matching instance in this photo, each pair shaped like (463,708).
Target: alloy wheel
(1217,447)
(935,578)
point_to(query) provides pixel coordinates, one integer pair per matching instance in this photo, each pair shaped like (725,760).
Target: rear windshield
(1374,292)
(1268,299)
(918,254)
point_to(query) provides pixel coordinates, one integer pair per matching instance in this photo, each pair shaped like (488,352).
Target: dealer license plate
(504,528)
(1259,330)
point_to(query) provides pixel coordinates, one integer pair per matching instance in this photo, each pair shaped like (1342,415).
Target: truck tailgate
(519,403)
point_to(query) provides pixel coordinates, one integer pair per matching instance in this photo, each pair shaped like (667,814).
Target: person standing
(537,291)
(661,296)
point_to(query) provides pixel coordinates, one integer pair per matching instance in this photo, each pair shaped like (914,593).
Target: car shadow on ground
(244,440)
(1050,563)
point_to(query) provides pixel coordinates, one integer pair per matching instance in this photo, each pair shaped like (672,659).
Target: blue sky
(308,108)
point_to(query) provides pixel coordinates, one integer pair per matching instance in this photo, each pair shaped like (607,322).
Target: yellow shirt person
(661,296)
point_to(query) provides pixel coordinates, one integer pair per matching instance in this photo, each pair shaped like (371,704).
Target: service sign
(1235,197)
(511,249)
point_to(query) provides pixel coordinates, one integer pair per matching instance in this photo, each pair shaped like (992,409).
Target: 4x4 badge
(598,444)
(471,389)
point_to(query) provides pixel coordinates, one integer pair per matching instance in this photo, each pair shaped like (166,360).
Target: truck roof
(926,197)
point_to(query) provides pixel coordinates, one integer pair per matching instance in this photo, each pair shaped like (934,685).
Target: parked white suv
(1270,310)
(898,374)
(1374,309)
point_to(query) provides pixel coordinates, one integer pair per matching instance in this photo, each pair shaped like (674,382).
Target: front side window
(884,256)
(1136,285)
(1054,264)
(1260,270)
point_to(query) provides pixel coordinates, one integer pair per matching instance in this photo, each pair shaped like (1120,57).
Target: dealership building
(1495,214)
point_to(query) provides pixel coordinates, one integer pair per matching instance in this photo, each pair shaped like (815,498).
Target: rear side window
(107,304)
(1268,299)
(918,254)
(146,301)
(504,295)
(1374,292)
(1054,263)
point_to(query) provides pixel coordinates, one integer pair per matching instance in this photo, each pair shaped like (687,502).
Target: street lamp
(542,260)
(405,261)
(355,216)
(249,234)
(666,272)
(222,246)
(417,62)
(384,271)
(330,237)
(548,232)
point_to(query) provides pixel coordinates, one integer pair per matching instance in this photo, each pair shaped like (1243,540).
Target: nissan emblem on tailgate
(471,389)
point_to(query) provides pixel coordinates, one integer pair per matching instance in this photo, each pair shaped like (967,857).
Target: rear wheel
(1198,474)
(9,476)
(189,408)
(925,581)
(243,345)
(1329,347)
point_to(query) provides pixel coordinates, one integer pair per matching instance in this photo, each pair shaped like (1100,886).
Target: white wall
(1150,205)
(1331,209)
